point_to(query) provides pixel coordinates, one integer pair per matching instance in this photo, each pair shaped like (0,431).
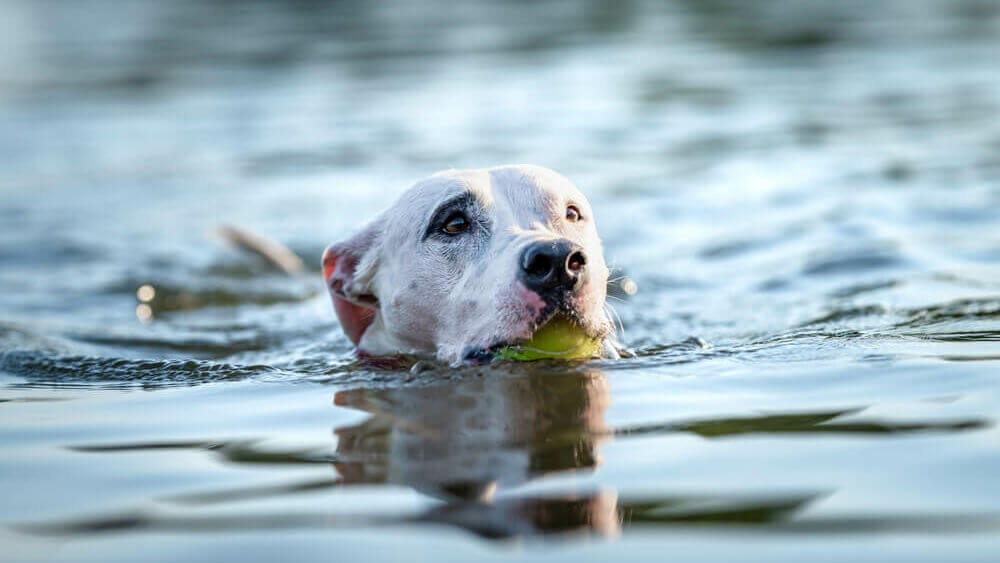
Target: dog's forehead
(533,188)
(523,189)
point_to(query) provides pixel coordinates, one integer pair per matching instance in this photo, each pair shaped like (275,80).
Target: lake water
(806,196)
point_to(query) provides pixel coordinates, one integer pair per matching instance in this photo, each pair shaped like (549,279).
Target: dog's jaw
(520,312)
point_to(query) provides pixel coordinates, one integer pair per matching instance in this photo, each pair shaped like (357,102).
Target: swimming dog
(466,262)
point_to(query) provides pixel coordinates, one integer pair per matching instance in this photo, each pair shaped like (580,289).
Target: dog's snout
(552,265)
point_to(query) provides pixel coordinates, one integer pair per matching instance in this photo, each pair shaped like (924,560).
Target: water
(806,194)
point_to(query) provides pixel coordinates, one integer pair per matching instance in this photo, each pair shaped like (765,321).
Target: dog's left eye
(573,214)
(456,224)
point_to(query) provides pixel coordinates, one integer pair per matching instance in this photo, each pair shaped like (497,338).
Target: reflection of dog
(463,440)
(468,261)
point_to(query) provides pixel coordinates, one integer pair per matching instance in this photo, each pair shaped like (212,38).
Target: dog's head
(467,261)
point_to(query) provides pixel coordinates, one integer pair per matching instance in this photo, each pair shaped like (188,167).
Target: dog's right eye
(456,224)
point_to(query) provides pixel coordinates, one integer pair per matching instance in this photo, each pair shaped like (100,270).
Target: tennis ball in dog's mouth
(560,338)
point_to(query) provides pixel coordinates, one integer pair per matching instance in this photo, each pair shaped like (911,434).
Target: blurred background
(804,197)
(824,134)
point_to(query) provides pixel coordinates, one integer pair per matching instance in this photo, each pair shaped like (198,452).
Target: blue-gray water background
(806,195)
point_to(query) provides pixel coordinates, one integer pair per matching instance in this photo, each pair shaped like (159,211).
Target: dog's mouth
(555,334)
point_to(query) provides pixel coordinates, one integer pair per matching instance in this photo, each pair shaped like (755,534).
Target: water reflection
(463,439)
(467,440)
(470,440)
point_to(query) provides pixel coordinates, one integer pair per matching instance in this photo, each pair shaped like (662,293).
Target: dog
(466,262)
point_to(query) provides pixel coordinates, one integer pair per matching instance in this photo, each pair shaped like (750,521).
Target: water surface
(806,196)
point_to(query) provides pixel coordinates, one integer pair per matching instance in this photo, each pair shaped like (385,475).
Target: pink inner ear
(354,319)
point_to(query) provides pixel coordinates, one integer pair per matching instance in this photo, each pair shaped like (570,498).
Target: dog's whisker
(616,321)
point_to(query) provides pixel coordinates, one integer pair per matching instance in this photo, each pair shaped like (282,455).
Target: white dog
(468,261)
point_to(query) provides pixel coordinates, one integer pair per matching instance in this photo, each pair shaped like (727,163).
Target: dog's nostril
(538,264)
(576,262)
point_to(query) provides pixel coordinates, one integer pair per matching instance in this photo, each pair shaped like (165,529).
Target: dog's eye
(456,224)
(573,214)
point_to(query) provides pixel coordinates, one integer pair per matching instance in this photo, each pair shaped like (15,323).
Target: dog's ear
(348,270)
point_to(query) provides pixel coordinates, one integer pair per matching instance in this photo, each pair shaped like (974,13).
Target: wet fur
(441,295)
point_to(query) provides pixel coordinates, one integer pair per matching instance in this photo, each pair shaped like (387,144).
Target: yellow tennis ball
(560,338)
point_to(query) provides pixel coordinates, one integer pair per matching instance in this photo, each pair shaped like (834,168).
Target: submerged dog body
(467,261)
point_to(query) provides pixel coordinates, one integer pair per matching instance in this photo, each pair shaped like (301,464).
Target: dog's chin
(478,355)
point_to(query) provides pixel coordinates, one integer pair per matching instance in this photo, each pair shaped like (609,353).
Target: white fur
(441,300)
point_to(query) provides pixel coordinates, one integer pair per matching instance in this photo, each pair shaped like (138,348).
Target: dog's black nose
(552,265)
